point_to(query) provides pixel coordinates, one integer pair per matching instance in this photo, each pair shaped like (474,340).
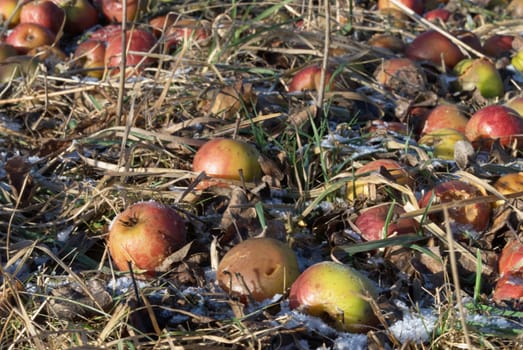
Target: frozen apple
(495,122)
(445,116)
(338,293)
(309,78)
(143,235)
(480,74)
(511,257)
(436,48)
(226,158)
(372,222)
(475,216)
(443,142)
(258,268)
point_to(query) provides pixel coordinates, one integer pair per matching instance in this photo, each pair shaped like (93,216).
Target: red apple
(480,74)
(144,234)
(137,40)
(509,287)
(80,15)
(498,45)
(371,222)
(10,11)
(185,28)
(308,78)
(258,268)
(387,41)
(27,36)
(401,75)
(45,13)
(469,38)
(224,158)
(91,55)
(105,33)
(511,257)
(495,122)
(414,5)
(445,116)
(474,216)
(336,291)
(113,9)
(434,47)
(439,14)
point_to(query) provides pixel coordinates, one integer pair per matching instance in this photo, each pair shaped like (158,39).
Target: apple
(434,47)
(10,11)
(224,158)
(443,142)
(508,184)
(439,14)
(113,9)
(469,38)
(445,116)
(308,78)
(259,268)
(498,45)
(139,40)
(509,287)
(175,29)
(387,41)
(415,5)
(46,13)
(105,33)
(144,234)
(372,221)
(336,291)
(160,24)
(27,36)
(474,216)
(511,257)
(480,74)
(6,50)
(90,55)
(495,122)
(80,15)
(402,75)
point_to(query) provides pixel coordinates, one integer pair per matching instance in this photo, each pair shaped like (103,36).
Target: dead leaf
(229,100)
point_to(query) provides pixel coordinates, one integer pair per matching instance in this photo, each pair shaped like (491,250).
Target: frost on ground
(414,327)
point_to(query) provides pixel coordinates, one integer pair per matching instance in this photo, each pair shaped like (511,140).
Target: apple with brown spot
(511,257)
(258,268)
(90,55)
(143,235)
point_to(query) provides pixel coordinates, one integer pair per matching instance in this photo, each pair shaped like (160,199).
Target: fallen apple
(517,61)
(443,142)
(436,48)
(439,14)
(309,78)
(338,293)
(401,75)
(27,36)
(90,55)
(480,74)
(498,45)
(113,9)
(138,40)
(45,13)
(475,216)
(225,158)
(372,222)
(80,15)
(143,235)
(495,122)
(509,288)
(415,5)
(258,268)
(445,116)
(508,184)
(387,41)
(511,257)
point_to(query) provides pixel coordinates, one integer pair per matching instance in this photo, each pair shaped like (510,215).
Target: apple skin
(517,61)
(113,10)
(480,74)
(443,141)
(434,47)
(498,45)
(9,9)
(308,78)
(137,40)
(27,36)
(511,257)
(495,122)
(371,222)
(259,268)
(336,290)
(445,116)
(46,13)
(438,14)
(415,5)
(387,41)
(223,158)
(80,15)
(91,55)
(509,287)
(475,216)
(145,234)
(176,29)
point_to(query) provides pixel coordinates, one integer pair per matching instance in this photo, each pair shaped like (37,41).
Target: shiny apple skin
(46,13)
(433,46)
(27,36)
(223,158)
(371,222)
(495,122)
(259,268)
(145,234)
(338,291)
(445,116)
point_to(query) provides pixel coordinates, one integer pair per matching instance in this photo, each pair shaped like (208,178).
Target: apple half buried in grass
(337,293)
(309,78)
(259,268)
(143,235)
(443,142)
(372,222)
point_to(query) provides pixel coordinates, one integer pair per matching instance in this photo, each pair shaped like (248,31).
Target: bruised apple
(511,257)
(401,75)
(27,36)
(336,292)
(113,9)
(225,158)
(474,216)
(143,235)
(434,47)
(259,268)
(495,122)
(372,222)
(309,78)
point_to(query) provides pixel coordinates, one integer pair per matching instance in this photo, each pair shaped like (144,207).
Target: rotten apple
(143,235)
(373,225)
(258,268)
(509,288)
(401,75)
(498,45)
(508,184)
(113,9)
(338,293)
(511,257)
(45,13)
(309,78)
(434,47)
(27,36)
(495,122)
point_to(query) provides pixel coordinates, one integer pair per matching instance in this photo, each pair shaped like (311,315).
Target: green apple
(480,74)
(443,141)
